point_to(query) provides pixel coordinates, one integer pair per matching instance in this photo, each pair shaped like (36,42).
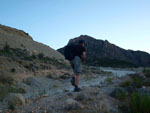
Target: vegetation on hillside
(7,85)
(106,62)
(23,54)
(133,97)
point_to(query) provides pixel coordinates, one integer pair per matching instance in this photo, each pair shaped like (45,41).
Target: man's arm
(83,56)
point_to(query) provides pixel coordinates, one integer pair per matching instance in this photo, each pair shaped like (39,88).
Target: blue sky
(125,23)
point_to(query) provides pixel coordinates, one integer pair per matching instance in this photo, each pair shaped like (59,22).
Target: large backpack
(69,52)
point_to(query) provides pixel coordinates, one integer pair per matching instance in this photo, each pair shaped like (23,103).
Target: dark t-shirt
(79,50)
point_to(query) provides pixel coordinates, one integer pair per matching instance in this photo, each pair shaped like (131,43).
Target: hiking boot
(73,81)
(77,89)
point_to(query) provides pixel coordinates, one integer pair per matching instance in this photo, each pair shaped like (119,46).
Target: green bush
(21,90)
(146,72)
(6,51)
(6,85)
(53,61)
(140,103)
(42,92)
(29,58)
(7,88)
(6,48)
(34,56)
(119,93)
(109,80)
(6,79)
(125,83)
(105,62)
(40,55)
(137,80)
(13,70)
(12,107)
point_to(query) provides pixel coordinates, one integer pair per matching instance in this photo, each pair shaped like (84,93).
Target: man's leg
(77,79)
(77,71)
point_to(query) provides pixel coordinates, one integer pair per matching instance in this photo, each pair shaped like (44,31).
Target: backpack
(69,52)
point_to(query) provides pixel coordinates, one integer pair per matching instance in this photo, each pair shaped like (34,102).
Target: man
(80,56)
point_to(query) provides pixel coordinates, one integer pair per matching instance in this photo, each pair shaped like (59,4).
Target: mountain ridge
(104,53)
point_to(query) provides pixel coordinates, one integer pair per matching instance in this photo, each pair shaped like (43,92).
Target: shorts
(76,65)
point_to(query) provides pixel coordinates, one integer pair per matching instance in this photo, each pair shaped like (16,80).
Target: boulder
(81,96)
(15,99)
(71,104)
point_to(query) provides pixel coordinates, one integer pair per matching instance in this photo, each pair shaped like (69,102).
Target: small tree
(40,55)
(6,47)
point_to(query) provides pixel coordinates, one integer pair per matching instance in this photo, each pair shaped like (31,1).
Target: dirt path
(46,95)
(41,86)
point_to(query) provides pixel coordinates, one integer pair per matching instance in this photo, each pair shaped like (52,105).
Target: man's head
(81,42)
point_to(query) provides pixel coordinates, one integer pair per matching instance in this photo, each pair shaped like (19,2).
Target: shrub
(6,48)
(65,76)
(146,72)
(6,79)
(42,92)
(13,70)
(137,80)
(34,56)
(6,85)
(53,61)
(6,51)
(109,80)
(21,90)
(7,88)
(119,93)
(12,107)
(125,83)
(40,55)
(29,58)
(140,103)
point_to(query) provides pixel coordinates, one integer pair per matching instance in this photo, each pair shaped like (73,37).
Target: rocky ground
(49,95)
(37,84)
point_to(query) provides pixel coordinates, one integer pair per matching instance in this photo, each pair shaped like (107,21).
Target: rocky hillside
(19,39)
(21,57)
(103,53)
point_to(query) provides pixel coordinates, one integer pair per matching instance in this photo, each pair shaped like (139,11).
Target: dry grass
(15,31)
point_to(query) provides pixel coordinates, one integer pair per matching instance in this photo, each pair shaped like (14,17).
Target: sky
(125,23)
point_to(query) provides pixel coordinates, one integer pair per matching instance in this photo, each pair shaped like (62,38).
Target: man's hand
(83,56)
